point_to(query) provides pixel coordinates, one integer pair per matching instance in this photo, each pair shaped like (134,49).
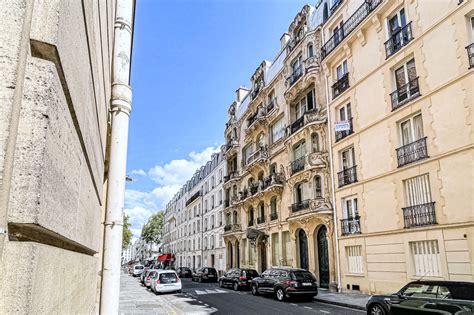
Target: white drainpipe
(121,106)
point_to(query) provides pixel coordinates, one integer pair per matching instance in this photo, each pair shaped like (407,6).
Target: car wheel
(236,286)
(255,290)
(377,309)
(280,294)
(220,284)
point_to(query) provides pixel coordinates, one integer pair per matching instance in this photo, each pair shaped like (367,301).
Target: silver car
(165,281)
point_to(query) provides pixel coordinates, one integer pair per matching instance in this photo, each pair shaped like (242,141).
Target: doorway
(303,249)
(323,258)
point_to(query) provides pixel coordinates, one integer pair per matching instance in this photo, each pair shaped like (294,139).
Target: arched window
(235,218)
(273,205)
(310,50)
(273,168)
(251,217)
(299,193)
(315,143)
(318,188)
(227,218)
(261,211)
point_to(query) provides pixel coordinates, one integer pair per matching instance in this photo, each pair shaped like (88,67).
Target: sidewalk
(350,300)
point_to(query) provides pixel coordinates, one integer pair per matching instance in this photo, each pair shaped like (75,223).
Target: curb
(348,305)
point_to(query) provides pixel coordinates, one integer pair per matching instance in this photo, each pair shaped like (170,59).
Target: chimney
(241,92)
(284,40)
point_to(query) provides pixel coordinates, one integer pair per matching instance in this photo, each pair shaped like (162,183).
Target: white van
(137,270)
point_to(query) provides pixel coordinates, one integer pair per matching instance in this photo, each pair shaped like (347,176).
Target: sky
(189,57)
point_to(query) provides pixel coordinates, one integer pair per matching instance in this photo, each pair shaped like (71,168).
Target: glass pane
(403,19)
(400,77)
(349,111)
(411,70)
(342,113)
(418,127)
(406,133)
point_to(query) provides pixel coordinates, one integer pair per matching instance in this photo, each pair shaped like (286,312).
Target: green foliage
(126,233)
(151,231)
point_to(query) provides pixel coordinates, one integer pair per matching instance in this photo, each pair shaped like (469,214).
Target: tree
(126,233)
(151,231)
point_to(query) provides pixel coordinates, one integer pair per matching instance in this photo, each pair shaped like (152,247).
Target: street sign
(343,125)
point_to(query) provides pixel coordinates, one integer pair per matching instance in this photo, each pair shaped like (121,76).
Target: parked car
(426,297)
(137,270)
(205,274)
(148,278)
(165,281)
(185,272)
(284,283)
(238,278)
(144,273)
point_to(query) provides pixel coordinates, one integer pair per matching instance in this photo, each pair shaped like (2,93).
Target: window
(318,190)
(396,22)
(341,70)
(286,241)
(261,210)
(345,112)
(306,103)
(247,152)
(315,143)
(296,66)
(273,205)
(299,192)
(347,158)
(417,190)
(310,51)
(426,258)
(278,130)
(299,150)
(411,130)
(403,75)
(349,206)
(212,202)
(354,259)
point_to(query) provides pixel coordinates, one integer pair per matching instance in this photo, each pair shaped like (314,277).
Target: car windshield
(302,275)
(250,273)
(211,271)
(169,277)
(139,267)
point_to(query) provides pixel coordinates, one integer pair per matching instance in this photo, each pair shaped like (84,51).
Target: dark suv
(205,274)
(238,278)
(184,272)
(426,297)
(285,283)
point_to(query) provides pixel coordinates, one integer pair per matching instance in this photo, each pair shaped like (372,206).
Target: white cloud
(170,177)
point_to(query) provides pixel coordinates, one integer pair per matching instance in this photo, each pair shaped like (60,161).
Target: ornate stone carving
(318,159)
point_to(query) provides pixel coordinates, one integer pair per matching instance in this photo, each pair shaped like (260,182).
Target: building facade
(193,228)
(399,76)
(278,188)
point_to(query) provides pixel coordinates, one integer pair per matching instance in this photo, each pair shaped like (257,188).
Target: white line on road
(324,311)
(293,304)
(307,307)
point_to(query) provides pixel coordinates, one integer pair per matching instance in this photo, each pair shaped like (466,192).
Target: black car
(184,272)
(238,278)
(426,297)
(205,274)
(284,283)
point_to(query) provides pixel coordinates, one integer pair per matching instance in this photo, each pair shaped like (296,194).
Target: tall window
(396,22)
(296,65)
(315,143)
(299,192)
(278,130)
(306,103)
(354,259)
(287,254)
(247,152)
(273,205)
(347,158)
(411,130)
(275,249)
(341,70)
(310,50)
(349,206)
(426,258)
(417,190)
(299,150)
(251,218)
(261,210)
(318,189)
(403,75)
(345,112)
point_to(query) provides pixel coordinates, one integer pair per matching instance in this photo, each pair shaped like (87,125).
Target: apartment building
(400,92)
(278,209)
(193,226)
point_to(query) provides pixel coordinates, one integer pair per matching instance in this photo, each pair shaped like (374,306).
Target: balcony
(347,176)
(253,188)
(342,134)
(194,197)
(352,22)
(298,206)
(412,152)
(399,38)
(296,125)
(350,225)
(297,165)
(297,73)
(273,216)
(230,228)
(259,155)
(230,176)
(272,179)
(340,86)
(470,55)
(405,94)
(232,143)
(260,220)
(419,215)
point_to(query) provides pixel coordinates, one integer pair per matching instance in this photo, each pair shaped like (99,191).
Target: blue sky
(189,57)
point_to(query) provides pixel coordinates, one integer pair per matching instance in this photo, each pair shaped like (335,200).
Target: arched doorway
(303,249)
(237,254)
(323,257)
(230,252)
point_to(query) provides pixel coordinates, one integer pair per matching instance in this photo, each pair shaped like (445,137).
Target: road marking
(324,311)
(206,304)
(203,292)
(293,304)
(307,307)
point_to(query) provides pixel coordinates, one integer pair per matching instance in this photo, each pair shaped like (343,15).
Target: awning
(166,257)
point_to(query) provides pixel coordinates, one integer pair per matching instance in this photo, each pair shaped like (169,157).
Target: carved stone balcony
(232,228)
(231,177)
(419,215)
(312,116)
(412,152)
(257,158)
(256,118)
(298,165)
(318,206)
(350,225)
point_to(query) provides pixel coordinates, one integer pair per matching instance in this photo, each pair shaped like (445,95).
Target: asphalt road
(226,301)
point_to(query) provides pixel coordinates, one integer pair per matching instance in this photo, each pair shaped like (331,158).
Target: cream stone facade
(399,74)
(55,97)
(193,229)
(278,188)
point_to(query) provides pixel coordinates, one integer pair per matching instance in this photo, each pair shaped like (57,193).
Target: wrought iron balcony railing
(298,165)
(405,93)
(260,220)
(298,206)
(350,225)
(297,124)
(347,176)
(340,85)
(342,134)
(412,152)
(272,179)
(470,55)
(297,73)
(419,215)
(352,22)
(273,216)
(399,38)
